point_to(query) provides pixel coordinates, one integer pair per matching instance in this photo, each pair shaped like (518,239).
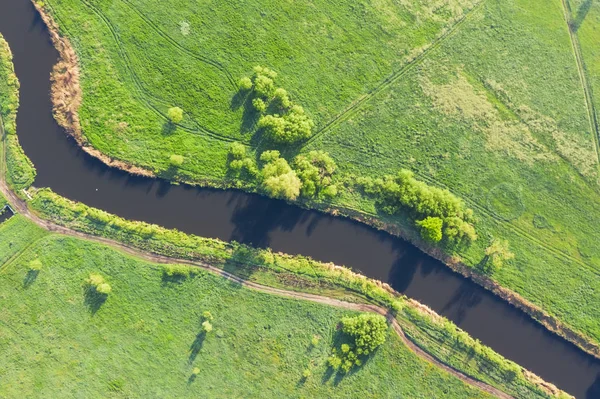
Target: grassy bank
(493,111)
(21,172)
(145,339)
(449,344)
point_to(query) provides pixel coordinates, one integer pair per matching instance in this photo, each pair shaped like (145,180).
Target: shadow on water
(251,219)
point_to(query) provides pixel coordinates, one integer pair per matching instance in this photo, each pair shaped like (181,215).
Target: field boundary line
(583,77)
(388,81)
(184,49)
(142,92)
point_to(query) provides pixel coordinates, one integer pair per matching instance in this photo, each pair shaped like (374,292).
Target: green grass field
(144,341)
(490,106)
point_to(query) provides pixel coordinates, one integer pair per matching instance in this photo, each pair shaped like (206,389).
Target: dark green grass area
(494,110)
(145,339)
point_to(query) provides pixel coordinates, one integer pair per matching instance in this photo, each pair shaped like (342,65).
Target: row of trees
(440,213)
(281,120)
(309,175)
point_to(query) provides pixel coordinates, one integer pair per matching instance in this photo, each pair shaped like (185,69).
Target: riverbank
(292,271)
(66,112)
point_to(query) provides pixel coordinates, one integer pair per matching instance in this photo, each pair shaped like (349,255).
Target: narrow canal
(252,219)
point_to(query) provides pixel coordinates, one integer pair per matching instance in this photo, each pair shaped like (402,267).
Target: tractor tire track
(387,82)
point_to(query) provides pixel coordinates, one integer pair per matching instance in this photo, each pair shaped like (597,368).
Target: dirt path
(21,207)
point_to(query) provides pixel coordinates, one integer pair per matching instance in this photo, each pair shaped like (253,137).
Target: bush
(431,228)
(315,170)
(176,160)
(259,105)
(403,191)
(178,270)
(281,98)
(279,180)
(175,114)
(35,265)
(207,326)
(97,283)
(367,332)
(496,254)
(206,315)
(245,84)
(237,150)
(240,162)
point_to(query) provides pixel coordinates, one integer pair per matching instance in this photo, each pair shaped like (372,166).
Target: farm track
(21,207)
(583,76)
(187,51)
(387,82)
(142,93)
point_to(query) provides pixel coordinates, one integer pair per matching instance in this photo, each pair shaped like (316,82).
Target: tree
(237,150)
(97,283)
(259,105)
(315,170)
(35,265)
(369,330)
(264,86)
(281,98)
(175,114)
(279,180)
(207,326)
(497,253)
(289,128)
(431,228)
(176,160)
(245,83)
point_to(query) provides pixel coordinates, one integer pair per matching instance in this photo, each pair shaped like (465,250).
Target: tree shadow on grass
(93,299)
(30,278)
(243,99)
(196,346)
(582,12)
(168,128)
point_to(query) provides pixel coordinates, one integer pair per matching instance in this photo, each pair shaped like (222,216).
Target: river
(252,219)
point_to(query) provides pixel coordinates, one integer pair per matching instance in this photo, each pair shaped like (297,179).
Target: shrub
(259,105)
(315,170)
(178,270)
(245,83)
(367,332)
(306,373)
(264,86)
(98,284)
(206,315)
(281,98)
(207,326)
(237,150)
(176,160)
(35,265)
(195,371)
(279,180)
(175,114)
(431,228)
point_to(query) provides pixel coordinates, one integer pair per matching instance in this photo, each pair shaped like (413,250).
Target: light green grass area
(16,234)
(145,339)
(494,110)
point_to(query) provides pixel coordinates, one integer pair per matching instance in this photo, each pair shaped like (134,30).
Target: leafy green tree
(282,98)
(104,289)
(207,326)
(35,265)
(237,150)
(259,105)
(292,127)
(264,86)
(176,160)
(315,170)
(245,83)
(368,330)
(279,180)
(175,114)
(98,284)
(431,228)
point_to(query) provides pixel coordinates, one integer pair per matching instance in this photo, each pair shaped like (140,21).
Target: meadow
(145,339)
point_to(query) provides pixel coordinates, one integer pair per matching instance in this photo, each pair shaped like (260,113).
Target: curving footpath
(20,206)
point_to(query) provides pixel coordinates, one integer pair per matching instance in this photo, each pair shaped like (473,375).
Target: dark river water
(256,220)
